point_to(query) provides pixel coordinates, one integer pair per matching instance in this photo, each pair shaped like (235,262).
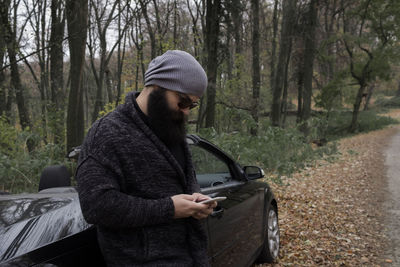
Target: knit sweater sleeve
(103,203)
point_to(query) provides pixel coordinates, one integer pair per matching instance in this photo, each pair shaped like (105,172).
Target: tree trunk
(285,91)
(273,41)
(308,67)
(227,46)
(102,24)
(236,7)
(77,13)
(398,90)
(368,96)
(195,30)
(57,110)
(175,29)
(11,42)
(356,108)
(211,37)
(329,18)
(137,38)
(289,7)
(19,94)
(159,36)
(3,87)
(255,6)
(137,72)
(237,24)
(108,81)
(153,43)
(44,68)
(300,84)
(120,56)
(98,102)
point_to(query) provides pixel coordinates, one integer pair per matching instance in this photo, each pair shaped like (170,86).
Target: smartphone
(212,200)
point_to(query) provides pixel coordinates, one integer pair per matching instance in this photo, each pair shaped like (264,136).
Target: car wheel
(270,250)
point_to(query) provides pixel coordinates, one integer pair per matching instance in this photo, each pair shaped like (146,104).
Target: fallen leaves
(330,214)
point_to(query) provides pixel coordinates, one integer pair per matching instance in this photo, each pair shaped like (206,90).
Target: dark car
(47,228)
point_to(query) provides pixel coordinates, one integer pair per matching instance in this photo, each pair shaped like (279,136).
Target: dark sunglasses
(185,101)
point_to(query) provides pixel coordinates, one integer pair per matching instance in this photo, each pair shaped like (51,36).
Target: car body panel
(240,217)
(30,221)
(241,221)
(48,227)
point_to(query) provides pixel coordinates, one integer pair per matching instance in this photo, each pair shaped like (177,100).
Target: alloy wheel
(273,233)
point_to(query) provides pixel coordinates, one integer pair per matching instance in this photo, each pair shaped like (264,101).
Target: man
(136,181)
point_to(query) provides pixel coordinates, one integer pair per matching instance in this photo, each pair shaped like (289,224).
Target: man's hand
(186,206)
(200,197)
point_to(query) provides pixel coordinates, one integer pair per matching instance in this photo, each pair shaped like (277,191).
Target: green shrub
(278,151)
(369,120)
(20,170)
(382,102)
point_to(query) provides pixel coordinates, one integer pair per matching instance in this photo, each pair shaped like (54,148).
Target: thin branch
(33,73)
(29,55)
(232,106)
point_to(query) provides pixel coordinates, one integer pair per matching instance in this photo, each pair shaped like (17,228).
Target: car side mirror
(253,172)
(74,153)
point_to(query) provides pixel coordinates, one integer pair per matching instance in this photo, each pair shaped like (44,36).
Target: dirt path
(333,213)
(392,199)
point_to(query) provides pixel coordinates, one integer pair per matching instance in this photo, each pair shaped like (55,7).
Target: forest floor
(331,213)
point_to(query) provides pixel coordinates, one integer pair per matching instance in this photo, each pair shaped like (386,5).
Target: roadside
(392,200)
(333,213)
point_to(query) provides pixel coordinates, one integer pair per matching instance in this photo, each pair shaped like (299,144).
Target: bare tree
(101,16)
(37,21)
(4,92)
(100,19)
(152,35)
(77,14)
(196,15)
(58,94)
(255,6)
(309,54)
(136,36)
(289,8)
(157,27)
(273,41)
(211,45)
(121,54)
(10,38)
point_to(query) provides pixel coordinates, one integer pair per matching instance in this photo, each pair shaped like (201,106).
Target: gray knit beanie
(178,71)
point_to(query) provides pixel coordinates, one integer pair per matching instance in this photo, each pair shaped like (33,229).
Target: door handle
(218,211)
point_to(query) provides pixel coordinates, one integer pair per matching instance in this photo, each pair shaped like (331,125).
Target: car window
(210,170)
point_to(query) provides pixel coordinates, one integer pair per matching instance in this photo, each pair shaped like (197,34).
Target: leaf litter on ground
(329,213)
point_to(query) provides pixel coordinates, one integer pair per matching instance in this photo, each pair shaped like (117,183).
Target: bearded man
(135,177)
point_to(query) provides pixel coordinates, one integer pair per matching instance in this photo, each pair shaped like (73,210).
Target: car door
(235,227)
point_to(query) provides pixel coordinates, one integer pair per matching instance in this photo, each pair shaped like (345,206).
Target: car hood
(29,221)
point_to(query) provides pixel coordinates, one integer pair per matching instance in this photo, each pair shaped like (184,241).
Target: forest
(282,74)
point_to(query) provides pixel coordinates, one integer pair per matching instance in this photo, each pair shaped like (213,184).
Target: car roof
(193,139)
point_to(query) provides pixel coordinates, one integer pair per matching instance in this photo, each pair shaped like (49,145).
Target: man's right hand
(186,206)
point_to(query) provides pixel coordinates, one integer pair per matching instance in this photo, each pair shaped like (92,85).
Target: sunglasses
(186,102)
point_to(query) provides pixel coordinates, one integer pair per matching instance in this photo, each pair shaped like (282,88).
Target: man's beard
(168,124)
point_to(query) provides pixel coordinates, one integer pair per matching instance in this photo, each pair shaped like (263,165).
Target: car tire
(270,249)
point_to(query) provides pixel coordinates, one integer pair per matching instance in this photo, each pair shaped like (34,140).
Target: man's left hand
(208,208)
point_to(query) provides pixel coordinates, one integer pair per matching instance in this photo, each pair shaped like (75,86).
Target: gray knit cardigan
(126,177)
